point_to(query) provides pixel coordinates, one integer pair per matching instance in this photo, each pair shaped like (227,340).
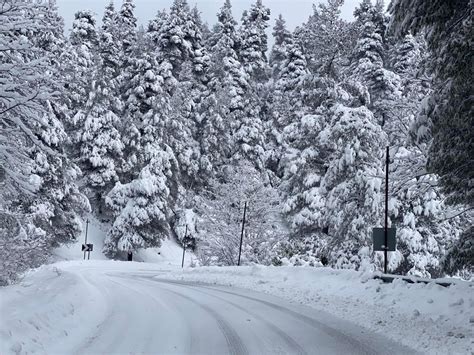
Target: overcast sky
(294,11)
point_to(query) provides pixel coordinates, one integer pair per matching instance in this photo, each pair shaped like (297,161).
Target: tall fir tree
(253,52)
(278,53)
(39,200)
(326,39)
(448,28)
(143,207)
(368,59)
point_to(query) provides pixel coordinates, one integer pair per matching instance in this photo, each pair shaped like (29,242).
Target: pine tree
(416,203)
(101,145)
(254,41)
(143,207)
(146,108)
(304,161)
(108,49)
(278,53)
(179,39)
(448,28)
(326,39)
(39,201)
(155,28)
(352,184)
(80,67)
(127,23)
(228,81)
(287,103)
(368,60)
(249,134)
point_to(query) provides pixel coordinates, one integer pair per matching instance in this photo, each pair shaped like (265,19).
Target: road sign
(378,235)
(87,247)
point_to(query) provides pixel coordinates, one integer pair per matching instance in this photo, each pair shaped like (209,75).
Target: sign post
(84,246)
(242,233)
(185,240)
(386,212)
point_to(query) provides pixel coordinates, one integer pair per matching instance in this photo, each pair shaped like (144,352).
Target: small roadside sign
(87,247)
(378,235)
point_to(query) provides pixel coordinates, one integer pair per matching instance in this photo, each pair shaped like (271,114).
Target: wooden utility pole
(386,212)
(184,245)
(242,233)
(85,242)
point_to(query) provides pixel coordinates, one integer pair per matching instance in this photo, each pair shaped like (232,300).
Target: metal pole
(85,242)
(184,245)
(386,213)
(242,233)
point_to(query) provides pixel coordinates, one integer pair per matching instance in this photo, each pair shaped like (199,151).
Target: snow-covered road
(80,308)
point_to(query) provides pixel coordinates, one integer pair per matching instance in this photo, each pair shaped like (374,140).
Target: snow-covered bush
(222,211)
(22,246)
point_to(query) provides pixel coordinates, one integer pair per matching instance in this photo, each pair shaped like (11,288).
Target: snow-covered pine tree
(39,201)
(368,59)
(181,125)
(109,50)
(143,207)
(145,114)
(448,27)
(228,80)
(83,40)
(155,27)
(253,51)
(278,53)
(326,39)
(127,24)
(180,48)
(179,39)
(249,134)
(100,141)
(287,103)
(304,162)
(51,39)
(352,184)
(416,206)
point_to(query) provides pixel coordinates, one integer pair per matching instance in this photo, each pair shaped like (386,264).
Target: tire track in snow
(234,342)
(174,308)
(354,343)
(289,341)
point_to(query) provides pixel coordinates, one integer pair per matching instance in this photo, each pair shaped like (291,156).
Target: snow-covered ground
(67,306)
(95,306)
(429,318)
(170,253)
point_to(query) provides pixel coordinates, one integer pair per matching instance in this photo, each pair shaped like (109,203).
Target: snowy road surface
(82,309)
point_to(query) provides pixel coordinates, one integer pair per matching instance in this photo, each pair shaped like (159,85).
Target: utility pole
(242,233)
(386,211)
(184,245)
(85,242)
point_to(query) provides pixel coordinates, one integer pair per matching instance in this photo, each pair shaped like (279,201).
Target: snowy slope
(170,253)
(95,235)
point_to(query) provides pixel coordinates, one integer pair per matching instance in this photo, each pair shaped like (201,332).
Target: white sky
(295,12)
